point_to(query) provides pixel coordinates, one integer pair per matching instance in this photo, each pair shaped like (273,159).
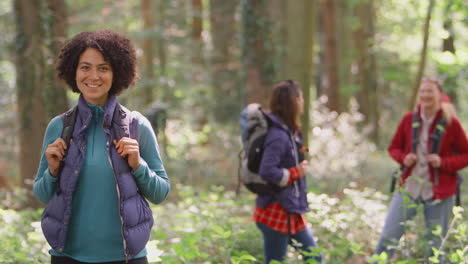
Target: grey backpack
(254,125)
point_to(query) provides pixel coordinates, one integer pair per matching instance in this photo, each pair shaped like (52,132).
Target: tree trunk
(301,18)
(226,92)
(161,39)
(374,108)
(345,21)
(197,29)
(148,51)
(366,65)
(277,10)
(332,83)
(30,80)
(55,95)
(257,51)
(361,61)
(161,44)
(319,64)
(448,44)
(422,62)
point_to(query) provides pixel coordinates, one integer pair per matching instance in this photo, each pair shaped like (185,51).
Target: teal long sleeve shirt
(95,229)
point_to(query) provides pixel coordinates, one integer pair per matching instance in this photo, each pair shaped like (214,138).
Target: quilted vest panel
(135,213)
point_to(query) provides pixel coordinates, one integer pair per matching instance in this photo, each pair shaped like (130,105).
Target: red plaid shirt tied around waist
(276,218)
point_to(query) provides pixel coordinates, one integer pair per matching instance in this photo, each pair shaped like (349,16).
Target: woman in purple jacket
(280,216)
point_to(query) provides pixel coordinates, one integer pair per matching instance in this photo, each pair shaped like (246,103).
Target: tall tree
(30,80)
(422,62)
(278,11)
(372,78)
(366,64)
(224,79)
(257,51)
(161,36)
(345,26)
(448,45)
(148,51)
(55,94)
(332,82)
(301,17)
(197,29)
(320,59)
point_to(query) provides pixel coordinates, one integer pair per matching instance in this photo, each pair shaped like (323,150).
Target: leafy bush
(207,227)
(21,237)
(215,226)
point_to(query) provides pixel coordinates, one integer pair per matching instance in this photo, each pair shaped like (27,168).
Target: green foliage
(208,226)
(414,249)
(243,258)
(21,237)
(215,227)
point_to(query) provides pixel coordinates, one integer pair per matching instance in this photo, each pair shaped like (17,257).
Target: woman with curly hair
(96,185)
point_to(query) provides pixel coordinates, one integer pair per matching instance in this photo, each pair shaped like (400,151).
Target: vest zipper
(118,195)
(296,158)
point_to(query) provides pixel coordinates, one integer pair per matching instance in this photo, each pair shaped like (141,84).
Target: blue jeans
(436,213)
(275,244)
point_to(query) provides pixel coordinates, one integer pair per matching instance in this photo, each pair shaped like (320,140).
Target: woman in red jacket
(428,178)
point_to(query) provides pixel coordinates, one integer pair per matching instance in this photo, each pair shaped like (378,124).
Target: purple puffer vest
(292,198)
(135,213)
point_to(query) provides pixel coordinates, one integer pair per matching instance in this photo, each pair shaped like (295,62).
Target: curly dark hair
(116,49)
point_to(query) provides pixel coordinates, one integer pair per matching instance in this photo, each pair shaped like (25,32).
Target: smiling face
(94,77)
(429,96)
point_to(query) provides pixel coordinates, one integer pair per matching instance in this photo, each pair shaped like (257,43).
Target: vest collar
(109,108)
(277,121)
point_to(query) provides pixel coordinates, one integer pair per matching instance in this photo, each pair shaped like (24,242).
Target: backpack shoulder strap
(436,136)
(129,123)
(68,119)
(436,139)
(416,125)
(134,117)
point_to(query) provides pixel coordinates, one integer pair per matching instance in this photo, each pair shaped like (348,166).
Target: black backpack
(254,124)
(68,119)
